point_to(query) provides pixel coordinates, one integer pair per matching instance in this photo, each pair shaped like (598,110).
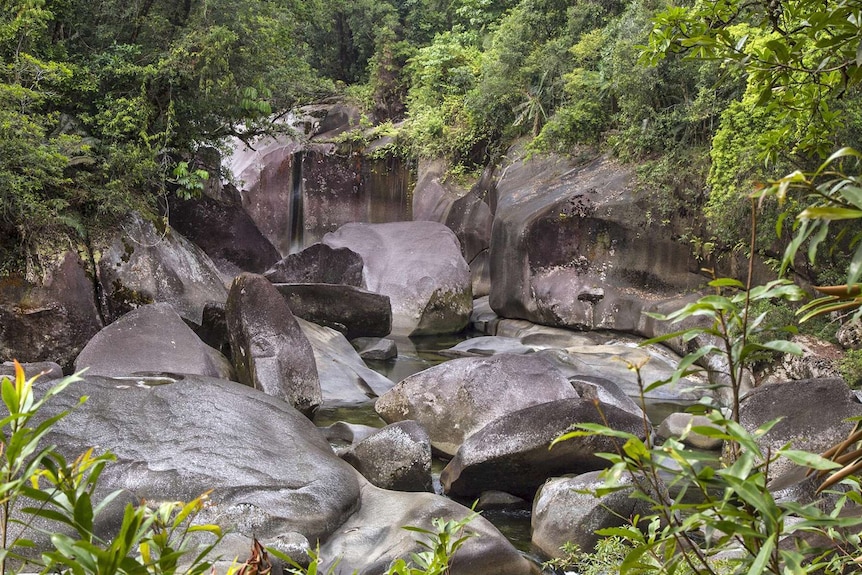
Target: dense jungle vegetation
(105,104)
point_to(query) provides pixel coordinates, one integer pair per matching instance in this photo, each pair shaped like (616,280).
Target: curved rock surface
(456,399)
(570,247)
(270,351)
(150,339)
(270,469)
(397,457)
(373,538)
(419,266)
(353,311)
(318,264)
(511,453)
(143,265)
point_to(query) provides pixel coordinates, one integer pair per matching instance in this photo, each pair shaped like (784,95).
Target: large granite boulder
(225,232)
(457,398)
(571,245)
(353,311)
(270,351)
(318,264)
(396,457)
(565,510)
(150,339)
(269,469)
(815,415)
(344,377)
(146,265)
(419,266)
(50,317)
(374,537)
(511,453)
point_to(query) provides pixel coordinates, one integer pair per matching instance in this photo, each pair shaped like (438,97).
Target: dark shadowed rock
(511,453)
(226,233)
(213,329)
(344,377)
(565,511)
(350,310)
(49,318)
(814,415)
(145,265)
(419,266)
(571,246)
(318,264)
(373,538)
(375,348)
(150,339)
(396,457)
(455,399)
(344,434)
(269,469)
(270,351)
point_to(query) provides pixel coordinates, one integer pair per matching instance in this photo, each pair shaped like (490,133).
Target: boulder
(396,457)
(147,265)
(50,317)
(511,453)
(571,246)
(151,339)
(419,266)
(457,398)
(678,426)
(350,310)
(225,232)
(566,511)
(375,348)
(318,264)
(270,351)
(343,434)
(374,537)
(814,415)
(269,469)
(43,369)
(819,359)
(344,377)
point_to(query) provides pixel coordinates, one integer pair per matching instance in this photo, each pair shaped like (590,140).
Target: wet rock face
(270,351)
(419,266)
(456,399)
(570,247)
(150,339)
(51,318)
(269,469)
(144,265)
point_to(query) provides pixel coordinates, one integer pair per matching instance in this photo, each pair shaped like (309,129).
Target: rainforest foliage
(105,105)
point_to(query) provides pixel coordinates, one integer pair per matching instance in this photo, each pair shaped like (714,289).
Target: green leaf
(829,213)
(811,460)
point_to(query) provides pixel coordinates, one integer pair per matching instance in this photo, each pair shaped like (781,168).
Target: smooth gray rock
(500,501)
(151,339)
(269,469)
(457,398)
(270,351)
(145,265)
(563,512)
(344,377)
(419,266)
(814,415)
(375,348)
(225,232)
(396,457)
(318,264)
(353,311)
(50,317)
(675,424)
(511,453)
(342,433)
(373,537)
(43,370)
